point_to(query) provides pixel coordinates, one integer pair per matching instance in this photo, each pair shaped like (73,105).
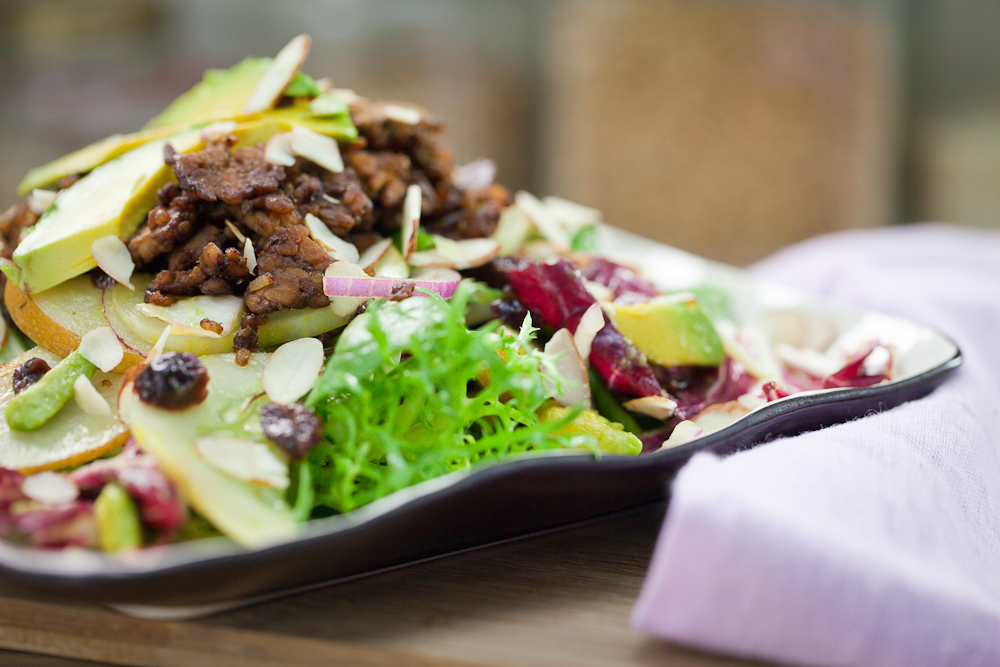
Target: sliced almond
(471,253)
(685,431)
(657,407)
(319,148)
(337,247)
(575,387)
(41,200)
(292,370)
(243,459)
(590,323)
(250,255)
(50,488)
(374,253)
(546,224)
(112,256)
(102,348)
(411,219)
(88,398)
(278,75)
(403,114)
(218,130)
(240,236)
(278,149)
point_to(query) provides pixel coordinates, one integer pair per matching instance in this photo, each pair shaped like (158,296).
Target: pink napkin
(871,543)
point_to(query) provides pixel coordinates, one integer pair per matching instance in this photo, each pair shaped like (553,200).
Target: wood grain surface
(562,598)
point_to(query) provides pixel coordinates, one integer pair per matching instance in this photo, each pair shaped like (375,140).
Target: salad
(280,301)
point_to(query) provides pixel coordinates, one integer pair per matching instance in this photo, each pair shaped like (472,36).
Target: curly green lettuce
(410,393)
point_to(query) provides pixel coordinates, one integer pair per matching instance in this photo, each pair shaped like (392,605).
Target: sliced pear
(59,317)
(253,515)
(70,438)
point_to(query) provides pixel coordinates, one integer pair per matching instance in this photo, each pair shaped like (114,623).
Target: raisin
(293,427)
(173,381)
(29,373)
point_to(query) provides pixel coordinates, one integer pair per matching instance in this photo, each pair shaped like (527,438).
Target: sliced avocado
(220,94)
(252,515)
(33,407)
(251,129)
(112,199)
(671,332)
(118,525)
(611,436)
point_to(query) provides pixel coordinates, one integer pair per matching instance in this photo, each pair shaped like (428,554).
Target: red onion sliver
(443,283)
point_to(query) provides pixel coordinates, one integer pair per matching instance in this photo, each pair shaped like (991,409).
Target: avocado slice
(114,198)
(671,331)
(221,93)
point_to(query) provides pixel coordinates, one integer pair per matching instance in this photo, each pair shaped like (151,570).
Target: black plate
(487,504)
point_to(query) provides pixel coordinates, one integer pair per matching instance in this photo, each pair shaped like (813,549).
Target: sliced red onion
(476,175)
(338,272)
(278,75)
(440,281)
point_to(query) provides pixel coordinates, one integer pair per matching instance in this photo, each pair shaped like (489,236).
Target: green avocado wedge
(114,198)
(671,332)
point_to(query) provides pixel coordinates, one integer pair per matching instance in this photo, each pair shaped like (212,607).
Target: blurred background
(728,128)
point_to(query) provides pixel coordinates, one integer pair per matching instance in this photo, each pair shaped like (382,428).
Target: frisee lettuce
(410,393)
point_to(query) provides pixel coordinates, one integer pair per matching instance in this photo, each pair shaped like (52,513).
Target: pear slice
(72,437)
(253,515)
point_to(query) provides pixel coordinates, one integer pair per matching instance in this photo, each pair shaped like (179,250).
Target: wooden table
(562,598)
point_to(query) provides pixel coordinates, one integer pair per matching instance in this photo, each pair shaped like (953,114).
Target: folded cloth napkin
(870,543)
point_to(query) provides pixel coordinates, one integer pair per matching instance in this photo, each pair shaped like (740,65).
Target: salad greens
(411,393)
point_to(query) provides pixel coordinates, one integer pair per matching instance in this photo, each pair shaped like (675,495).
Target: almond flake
(575,387)
(50,488)
(319,148)
(657,407)
(337,247)
(243,459)
(412,204)
(547,225)
(278,149)
(218,130)
(685,431)
(292,370)
(402,114)
(41,200)
(112,256)
(88,398)
(590,323)
(373,253)
(278,75)
(250,255)
(240,236)
(102,348)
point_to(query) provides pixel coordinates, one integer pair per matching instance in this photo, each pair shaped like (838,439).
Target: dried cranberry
(173,381)
(29,373)
(293,427)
